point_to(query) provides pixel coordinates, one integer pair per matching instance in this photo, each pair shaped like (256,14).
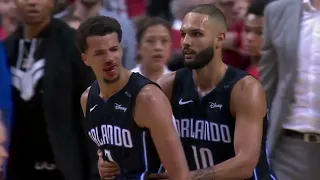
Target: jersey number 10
(203,156)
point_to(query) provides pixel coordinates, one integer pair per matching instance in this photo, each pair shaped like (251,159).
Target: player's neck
(107,90)
(152,74)
(254,60)
(31,31)
(207,78)
(83,13)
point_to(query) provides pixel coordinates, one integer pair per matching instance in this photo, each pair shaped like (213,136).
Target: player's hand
(158,176)
(107,170)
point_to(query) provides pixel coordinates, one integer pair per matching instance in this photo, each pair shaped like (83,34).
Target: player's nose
(186,41)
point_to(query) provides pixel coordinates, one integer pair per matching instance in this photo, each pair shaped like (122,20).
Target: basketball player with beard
(122,109)
(219,110)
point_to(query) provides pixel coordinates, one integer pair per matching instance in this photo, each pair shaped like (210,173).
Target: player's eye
(197,34)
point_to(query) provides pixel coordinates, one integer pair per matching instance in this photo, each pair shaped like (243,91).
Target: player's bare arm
(166,83)
(153,111)
(248,105)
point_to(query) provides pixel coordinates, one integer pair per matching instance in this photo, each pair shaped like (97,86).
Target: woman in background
(154,47)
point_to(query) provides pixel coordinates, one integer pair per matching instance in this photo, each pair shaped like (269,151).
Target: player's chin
(110,80)
(191,64)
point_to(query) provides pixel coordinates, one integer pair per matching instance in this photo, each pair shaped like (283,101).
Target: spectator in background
(48,77)
(84,9)
(62,8)
(289,71)
(116,6)
(154,47)
(8,18)
(160,9)
(239,10)
(253,35)
(136,7)
(231,45)
(72,21)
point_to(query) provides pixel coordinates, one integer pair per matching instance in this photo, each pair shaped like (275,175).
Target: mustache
(188,51)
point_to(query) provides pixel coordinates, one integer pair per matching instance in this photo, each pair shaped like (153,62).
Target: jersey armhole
(90,94)
(176,82)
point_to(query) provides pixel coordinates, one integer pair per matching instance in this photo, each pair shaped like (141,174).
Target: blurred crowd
(42,75)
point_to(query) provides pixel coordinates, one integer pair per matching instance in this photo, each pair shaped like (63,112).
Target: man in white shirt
(290,70)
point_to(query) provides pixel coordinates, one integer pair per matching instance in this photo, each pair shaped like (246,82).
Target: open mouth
(110,70)
(189,53)
(189,56)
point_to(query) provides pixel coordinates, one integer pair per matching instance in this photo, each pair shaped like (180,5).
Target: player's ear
(84,59)
(220,40)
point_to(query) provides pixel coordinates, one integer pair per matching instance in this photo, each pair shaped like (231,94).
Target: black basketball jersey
(112,128)
(205,124)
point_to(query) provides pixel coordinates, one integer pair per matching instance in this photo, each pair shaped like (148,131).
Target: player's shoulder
(148,93)
(166,83)
(246,89)
(247,84)
(166,79)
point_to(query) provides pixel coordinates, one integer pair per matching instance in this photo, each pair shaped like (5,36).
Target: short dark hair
(97,26)
(257,7)
(212,11)
(147,22)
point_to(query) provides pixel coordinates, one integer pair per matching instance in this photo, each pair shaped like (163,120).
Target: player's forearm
(180,176)
(178,170)
(204,174)
(236,168)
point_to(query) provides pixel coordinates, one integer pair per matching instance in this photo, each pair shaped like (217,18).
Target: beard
(89,3)
(201,59)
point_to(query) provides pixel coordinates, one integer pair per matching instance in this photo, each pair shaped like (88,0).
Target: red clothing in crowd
(254,71)
(233,57)
(136,7)
(176,39)
(3,34)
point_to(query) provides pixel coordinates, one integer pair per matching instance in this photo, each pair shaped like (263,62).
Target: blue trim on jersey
(161,167)
(142,177)
(255,174)
(272,174)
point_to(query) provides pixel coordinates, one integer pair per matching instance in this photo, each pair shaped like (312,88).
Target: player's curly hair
(97,26)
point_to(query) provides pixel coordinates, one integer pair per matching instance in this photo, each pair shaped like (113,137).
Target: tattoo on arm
(203,174)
